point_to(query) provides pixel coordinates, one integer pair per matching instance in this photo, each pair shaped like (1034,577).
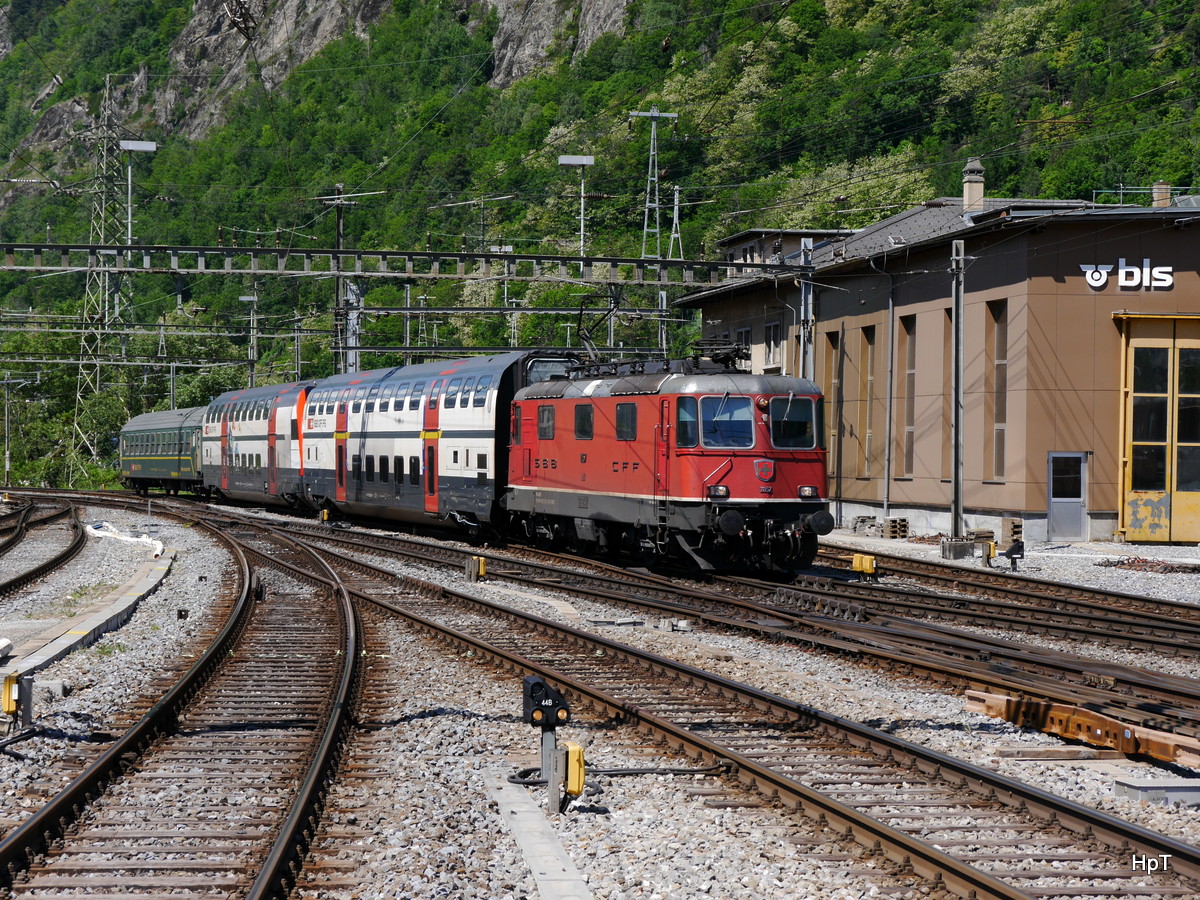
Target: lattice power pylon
(652,204)
(101,310)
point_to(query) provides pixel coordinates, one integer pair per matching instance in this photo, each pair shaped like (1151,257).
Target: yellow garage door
(1161,425)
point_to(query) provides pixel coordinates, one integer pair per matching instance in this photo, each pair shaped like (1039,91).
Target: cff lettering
(626,466)
(1151,863)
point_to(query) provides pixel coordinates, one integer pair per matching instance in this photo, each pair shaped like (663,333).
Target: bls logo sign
(1129,277)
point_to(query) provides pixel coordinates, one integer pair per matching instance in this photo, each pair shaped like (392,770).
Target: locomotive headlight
(718,492)
(809,492)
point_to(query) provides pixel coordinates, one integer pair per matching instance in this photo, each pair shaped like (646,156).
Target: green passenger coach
(162,450)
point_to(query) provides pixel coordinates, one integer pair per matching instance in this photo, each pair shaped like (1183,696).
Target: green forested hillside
(790,114)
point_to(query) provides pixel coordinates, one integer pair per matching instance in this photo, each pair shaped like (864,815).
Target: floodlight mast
(583,162)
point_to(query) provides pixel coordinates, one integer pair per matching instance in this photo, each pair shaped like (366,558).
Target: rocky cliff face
(226,40)
(530,29)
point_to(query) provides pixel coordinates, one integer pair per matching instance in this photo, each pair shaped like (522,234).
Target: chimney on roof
(1161,192)
(973,185)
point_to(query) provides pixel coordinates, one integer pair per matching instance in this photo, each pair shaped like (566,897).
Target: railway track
(216,788)
(886,793)
(26,520)
(1019,589)
(1111,705)
(977,833)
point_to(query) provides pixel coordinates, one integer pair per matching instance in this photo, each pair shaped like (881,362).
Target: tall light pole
(9,382)
(130,148)
(583,162)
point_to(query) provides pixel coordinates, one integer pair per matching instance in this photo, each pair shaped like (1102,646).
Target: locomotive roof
(167,419)
(669,383)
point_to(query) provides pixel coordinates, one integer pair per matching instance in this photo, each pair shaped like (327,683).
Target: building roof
(936,222)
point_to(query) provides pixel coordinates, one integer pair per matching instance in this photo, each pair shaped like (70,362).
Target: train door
(272,477)
(225,413)
(340,433)
(429,438)
(662,461)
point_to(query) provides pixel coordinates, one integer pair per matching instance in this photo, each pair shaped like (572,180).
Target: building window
(908,431)
(948,395)
(833,394)
(996,384)
(1151,376)
(866,395)
(772,339)
(743,338)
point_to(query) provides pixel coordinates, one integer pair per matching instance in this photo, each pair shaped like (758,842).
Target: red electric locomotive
(718,467)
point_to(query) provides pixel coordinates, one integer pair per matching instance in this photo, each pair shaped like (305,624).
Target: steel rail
(286,855)
(969,660)
(929,861)
(33,837)
(78,541)
(1003,583)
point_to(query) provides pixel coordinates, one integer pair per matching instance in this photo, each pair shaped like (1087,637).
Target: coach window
(464,399)
(481,390)
(434,390)
(414,470)
(726,421)
(356,467)
(371,403)
(452,393)
(385,398)
(383,469)
(793,423)
(370,467)
(401,396)
(414,401)
(687,434)
(356,406)
(398,466)
(545,422)
(583,421)
(626,421)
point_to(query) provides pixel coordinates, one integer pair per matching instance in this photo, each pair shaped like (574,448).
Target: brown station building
(1080,349)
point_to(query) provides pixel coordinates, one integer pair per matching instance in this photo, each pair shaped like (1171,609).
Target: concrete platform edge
(121,605)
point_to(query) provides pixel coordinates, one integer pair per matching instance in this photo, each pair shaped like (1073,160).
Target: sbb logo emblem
(1129,277)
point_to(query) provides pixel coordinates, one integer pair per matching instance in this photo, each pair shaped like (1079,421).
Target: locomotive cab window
(515,433)
(626,421)
(793,422)
(687,431)
(727,422)
(545,422)
(584,421)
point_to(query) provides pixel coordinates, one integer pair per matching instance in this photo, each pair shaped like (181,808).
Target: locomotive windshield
(726,421)
(793,422)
